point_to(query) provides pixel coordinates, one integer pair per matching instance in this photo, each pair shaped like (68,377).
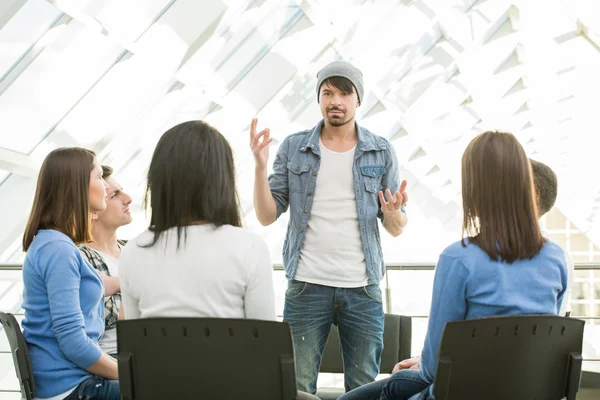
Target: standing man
(337,178)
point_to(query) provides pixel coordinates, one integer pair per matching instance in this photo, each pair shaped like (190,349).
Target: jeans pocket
(295,289)
(373,292)
(83,391)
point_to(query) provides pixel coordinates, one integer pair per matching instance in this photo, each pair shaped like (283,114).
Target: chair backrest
(397,339)
(191,358)
(20,355)
(513,357)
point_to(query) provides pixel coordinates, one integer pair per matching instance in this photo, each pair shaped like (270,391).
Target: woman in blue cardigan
(503,266)
(63,294)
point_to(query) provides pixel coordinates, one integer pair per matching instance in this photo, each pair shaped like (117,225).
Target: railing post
(388,293)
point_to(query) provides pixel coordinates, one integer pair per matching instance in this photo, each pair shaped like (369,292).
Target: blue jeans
(358,313)
(96,388)
(400,386)
(406,384)
(370,391)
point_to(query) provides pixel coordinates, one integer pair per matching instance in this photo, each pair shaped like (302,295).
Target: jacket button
(314,174)
(310,193)
(298,248)
(305,211)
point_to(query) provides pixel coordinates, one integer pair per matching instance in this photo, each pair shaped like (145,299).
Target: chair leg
(574,375)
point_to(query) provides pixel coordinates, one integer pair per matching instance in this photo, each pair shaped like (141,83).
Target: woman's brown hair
(61,199)
(499,200)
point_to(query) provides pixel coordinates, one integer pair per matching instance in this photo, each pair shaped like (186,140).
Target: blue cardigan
(64,313)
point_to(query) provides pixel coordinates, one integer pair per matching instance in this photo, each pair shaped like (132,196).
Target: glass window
(580,291)
(410,291)
(21,32)
(555,220)
(579,242)
(580,310)
(72,60)
(3,175)
(558,238)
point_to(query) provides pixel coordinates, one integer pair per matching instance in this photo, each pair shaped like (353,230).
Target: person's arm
(271,194)
(393,196)
(111,284)
(564,304)
(259,300)
(106,367)
(130,306)
(264,203)
(448,303)
(59,267)
(564,297)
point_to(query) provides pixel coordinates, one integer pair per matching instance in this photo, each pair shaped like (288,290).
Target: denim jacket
(293,184)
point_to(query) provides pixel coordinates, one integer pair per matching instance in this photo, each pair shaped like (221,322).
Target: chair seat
(327,393)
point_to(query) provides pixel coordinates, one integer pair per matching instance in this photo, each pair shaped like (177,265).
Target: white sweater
(223,272)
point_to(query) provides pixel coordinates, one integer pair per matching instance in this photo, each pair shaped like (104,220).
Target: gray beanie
(345,70)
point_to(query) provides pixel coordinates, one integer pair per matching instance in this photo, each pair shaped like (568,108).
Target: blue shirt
(64,313)
(294,179)
(468,285)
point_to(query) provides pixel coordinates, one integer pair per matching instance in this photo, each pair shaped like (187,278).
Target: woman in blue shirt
(63,294)
(503,266)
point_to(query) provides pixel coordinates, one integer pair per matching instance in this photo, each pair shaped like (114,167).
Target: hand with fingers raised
(259,144)
(394,201)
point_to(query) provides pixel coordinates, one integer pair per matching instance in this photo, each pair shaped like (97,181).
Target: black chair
(516,357)
(397,339)
(20,355)
(208,358)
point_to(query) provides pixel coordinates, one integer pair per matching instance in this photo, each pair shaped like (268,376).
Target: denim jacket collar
(366,140)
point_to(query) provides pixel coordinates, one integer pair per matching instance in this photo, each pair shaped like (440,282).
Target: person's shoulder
(553,250)
(464,252)
(48,247)
(137,242)
(295,140)
(379,141)
(458,249)
(240,234)
(51,241)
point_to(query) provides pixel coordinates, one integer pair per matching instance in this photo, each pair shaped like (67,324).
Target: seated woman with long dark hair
(63,294)
(195,259)
(503,267)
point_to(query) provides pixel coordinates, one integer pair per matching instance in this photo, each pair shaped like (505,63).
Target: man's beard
(339,121)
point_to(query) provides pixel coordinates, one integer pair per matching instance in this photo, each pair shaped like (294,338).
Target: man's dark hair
(191,180)
(106,172)
(339,83)
(546,186)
